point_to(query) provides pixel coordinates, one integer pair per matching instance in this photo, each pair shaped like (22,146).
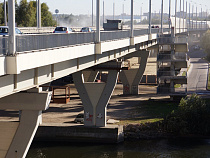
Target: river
(162,148)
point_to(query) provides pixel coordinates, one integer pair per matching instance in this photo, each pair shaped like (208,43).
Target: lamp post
(196,16)
(189,17)
(98,21)
(169,15)
(201,16)
(183,17)
(180,10)
(131,35)
(5,13)
(113,10)
(206,15)
(161,30)
(186,17)
(92,12)
(175,14)
(141,12)
(38,13)
(150,14)
(192,16)
(103,11)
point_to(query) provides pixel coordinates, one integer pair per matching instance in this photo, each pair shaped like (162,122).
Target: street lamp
(5,13)
(38,13)
(201,16)
(192,16)
(161,30)
(150,14)
(175,14)
(92,12)
(103,11)
(180,16)
(196,16)
(113,10)
(189,17)
(169,15)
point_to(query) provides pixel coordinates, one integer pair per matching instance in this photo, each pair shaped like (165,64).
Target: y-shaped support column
(19,135)
(132,77)
(95,97)
(90,76)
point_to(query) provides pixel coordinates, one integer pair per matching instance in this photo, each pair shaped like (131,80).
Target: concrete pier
(79,133)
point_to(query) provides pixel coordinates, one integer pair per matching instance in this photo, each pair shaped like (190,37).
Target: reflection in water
(164,148)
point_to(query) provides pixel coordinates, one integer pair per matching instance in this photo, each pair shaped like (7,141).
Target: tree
(205,43)
(192,117)
(23,16)
(47,19)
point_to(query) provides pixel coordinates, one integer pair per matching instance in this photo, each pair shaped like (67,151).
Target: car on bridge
(4,30)
(61,29)
(86,29)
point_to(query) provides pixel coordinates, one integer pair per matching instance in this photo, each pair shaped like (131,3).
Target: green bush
(191,117)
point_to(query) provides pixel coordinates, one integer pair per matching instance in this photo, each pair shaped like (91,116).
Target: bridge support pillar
(95,97)
(90,76)
(16,137)
(132,77)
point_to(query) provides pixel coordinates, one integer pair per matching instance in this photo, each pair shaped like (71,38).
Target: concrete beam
(26,101)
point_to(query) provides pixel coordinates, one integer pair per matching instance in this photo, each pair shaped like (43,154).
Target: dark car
(4,30)
(86,29)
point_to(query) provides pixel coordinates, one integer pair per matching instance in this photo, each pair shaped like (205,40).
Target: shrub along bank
(192,117)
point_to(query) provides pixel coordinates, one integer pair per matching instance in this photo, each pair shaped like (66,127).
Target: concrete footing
(80,133)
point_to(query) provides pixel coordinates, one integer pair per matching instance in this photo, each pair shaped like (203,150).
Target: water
(164,148)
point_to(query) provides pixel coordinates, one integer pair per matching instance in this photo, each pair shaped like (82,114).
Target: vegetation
(191,117)
(26,14)
(205,44)
(208,86)
(149,111)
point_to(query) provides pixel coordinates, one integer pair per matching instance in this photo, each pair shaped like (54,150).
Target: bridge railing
(46,41)
(168,90)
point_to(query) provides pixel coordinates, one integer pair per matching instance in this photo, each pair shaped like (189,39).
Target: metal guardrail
(170,40)
(170,73)
(177,56)
(29,42)
(46,41)
(168,90)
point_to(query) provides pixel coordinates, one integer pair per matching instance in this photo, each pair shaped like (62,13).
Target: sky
(77,7)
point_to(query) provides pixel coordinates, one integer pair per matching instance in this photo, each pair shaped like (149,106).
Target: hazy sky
(84,6)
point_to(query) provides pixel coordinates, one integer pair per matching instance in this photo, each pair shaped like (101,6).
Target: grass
(208,87)
(150,111)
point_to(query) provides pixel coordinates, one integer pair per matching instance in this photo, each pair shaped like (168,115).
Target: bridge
(30,61)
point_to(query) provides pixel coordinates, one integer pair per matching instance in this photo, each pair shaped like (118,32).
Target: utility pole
(92,12)
(131,35)
(103,11)
(98,21)
(161,30)
(183,16)
(175,14)
(11,23)
(38,13)
(113,10)
(5,13)
(189,17)
(169,16)
(180,16)
(150,14)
